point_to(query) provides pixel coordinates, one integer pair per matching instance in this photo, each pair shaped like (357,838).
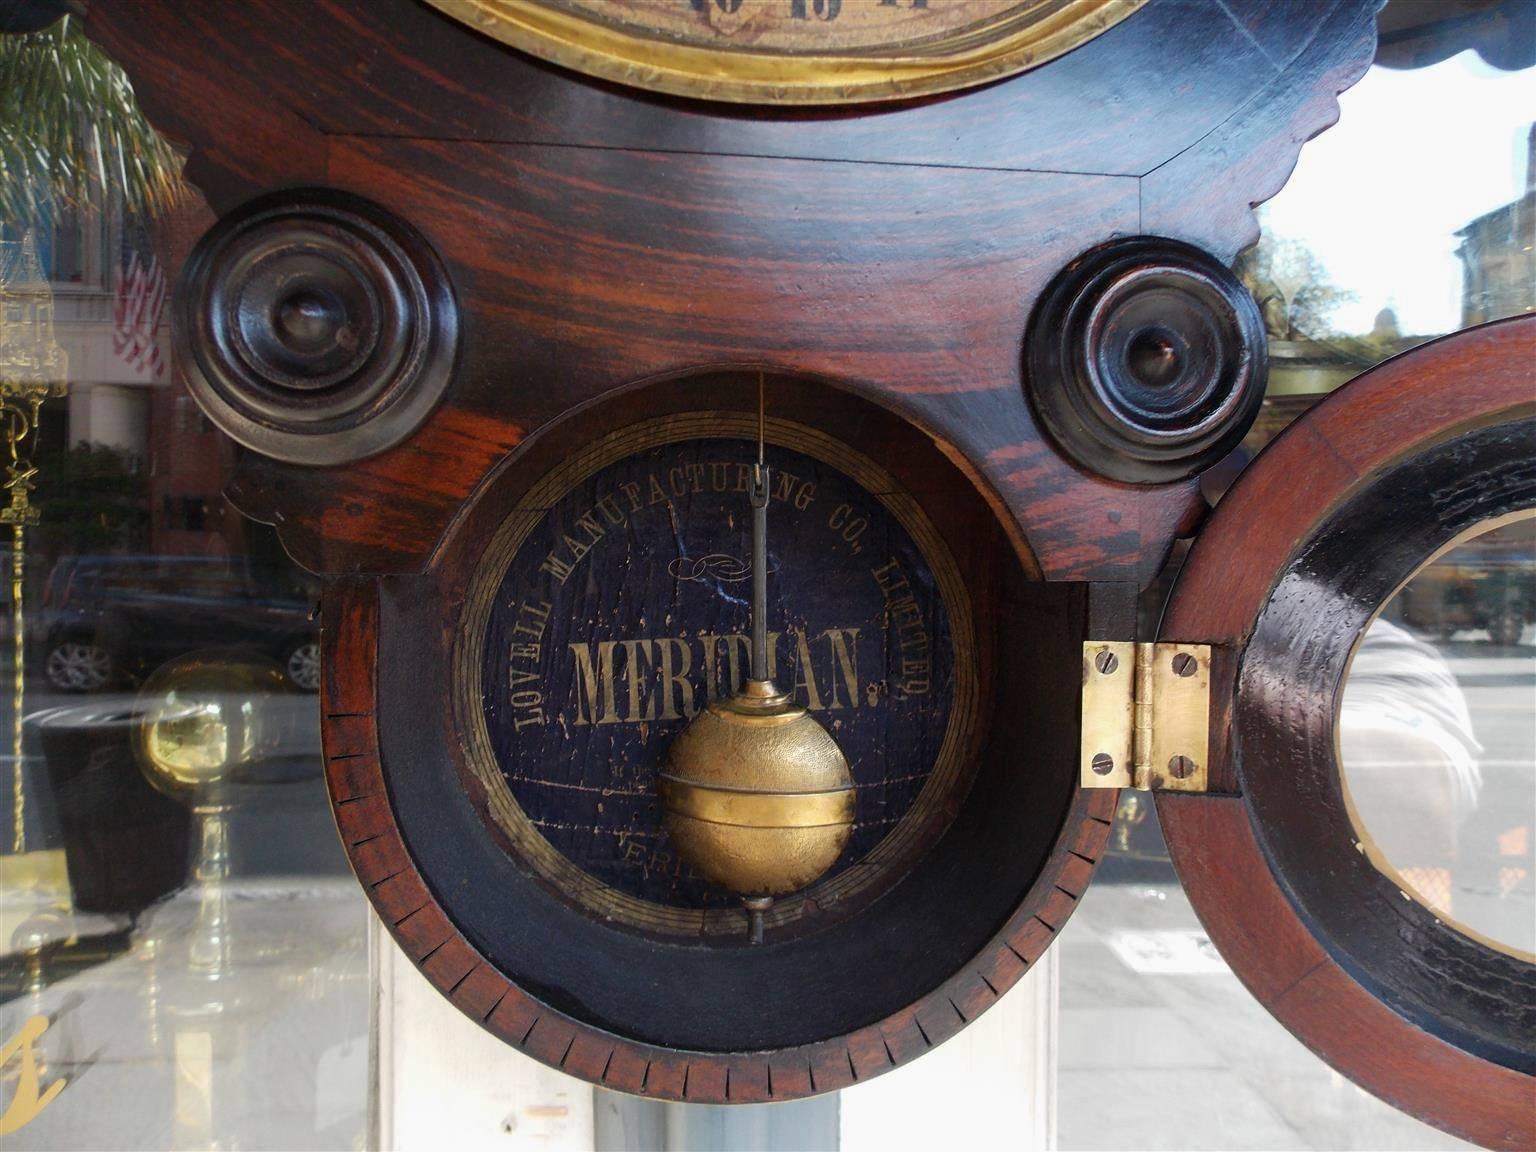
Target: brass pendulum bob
(755,794)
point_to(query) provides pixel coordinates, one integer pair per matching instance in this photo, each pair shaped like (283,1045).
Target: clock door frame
(1291,568)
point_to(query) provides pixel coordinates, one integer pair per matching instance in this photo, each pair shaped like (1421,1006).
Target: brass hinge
(1146,715)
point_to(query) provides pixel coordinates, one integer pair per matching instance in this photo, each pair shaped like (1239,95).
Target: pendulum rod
(18,690)
(759,498)
(21,415)
(755,793)
(758,906)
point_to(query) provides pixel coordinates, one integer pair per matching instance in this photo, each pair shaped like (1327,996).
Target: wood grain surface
(612,252)
(597,236)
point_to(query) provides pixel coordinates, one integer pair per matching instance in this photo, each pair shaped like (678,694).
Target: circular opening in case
(612,541)
(598,628)
(1437,735)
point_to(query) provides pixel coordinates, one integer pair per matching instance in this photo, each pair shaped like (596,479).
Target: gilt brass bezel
(1020,37)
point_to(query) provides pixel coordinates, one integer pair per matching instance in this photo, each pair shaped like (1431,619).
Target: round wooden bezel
(1390,416)
(364,765)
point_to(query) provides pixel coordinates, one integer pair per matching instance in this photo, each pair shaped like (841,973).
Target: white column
(991,1086)
(441,1081)
(113,415)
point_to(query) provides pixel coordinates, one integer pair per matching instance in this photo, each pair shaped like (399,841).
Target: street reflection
(195,945)
(1437,733)
(182,944)
(1413,217)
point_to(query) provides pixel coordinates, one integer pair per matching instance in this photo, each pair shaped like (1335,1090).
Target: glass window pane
(183,959)
(1413,217)
(1437,735)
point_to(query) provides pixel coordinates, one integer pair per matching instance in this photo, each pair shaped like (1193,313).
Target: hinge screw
(1184,664)
(1103,764)
(1181,767)
(1106,662)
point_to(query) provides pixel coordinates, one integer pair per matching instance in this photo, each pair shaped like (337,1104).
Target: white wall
(444,1082)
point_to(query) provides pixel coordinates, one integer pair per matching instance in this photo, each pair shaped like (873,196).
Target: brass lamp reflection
(33,368)
(202,719)
(755,794)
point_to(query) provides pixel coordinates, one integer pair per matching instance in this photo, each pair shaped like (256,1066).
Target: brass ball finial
(755,794)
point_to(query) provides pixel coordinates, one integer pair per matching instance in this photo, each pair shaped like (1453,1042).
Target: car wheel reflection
(75,666)
(303,666)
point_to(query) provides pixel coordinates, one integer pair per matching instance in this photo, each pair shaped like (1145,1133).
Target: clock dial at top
(794,51)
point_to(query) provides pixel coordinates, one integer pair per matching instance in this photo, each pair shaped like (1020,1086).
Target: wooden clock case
(546,258)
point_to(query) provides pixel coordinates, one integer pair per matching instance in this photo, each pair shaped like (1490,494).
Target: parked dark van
(105,620)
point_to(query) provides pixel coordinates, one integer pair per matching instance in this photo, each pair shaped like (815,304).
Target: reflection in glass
(1414,217)
(1437,736)
(182,946)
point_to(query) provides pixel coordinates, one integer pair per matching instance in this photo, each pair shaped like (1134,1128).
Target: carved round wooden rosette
(581,610)
(315,327)
(1146,360)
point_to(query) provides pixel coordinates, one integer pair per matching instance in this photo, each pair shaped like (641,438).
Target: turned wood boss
(491,297)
